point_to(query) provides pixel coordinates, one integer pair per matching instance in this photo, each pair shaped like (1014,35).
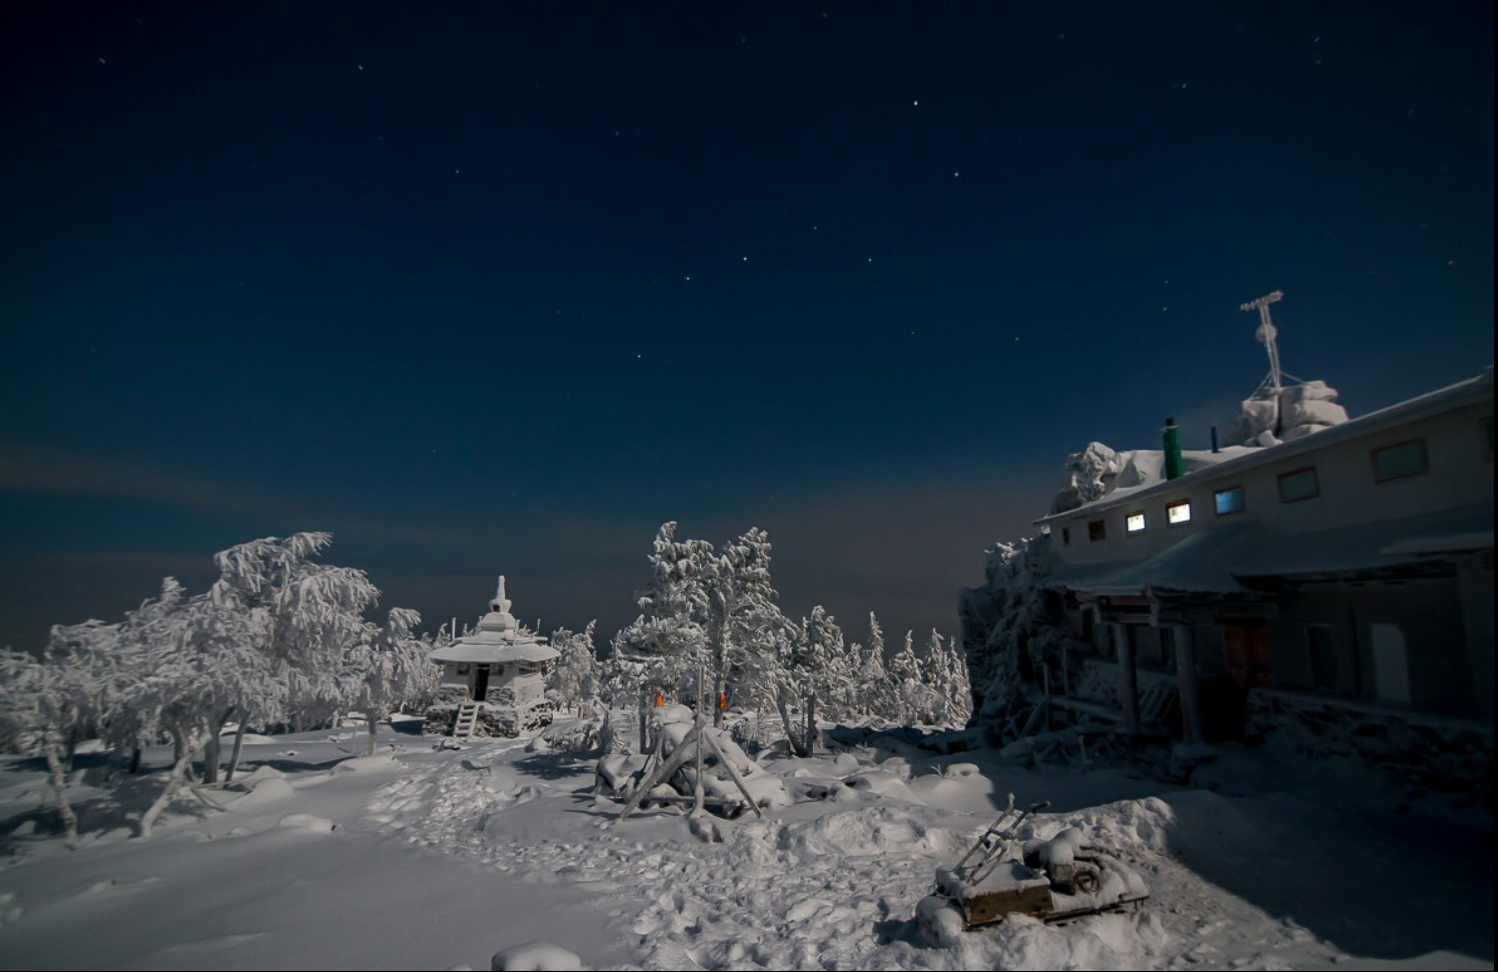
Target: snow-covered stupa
(493,677)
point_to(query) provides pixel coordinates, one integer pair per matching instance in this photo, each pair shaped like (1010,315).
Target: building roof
(469,651)
(1229,559)
(498,639)
(1431,403)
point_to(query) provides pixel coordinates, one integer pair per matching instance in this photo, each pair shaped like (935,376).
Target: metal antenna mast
(1266,334)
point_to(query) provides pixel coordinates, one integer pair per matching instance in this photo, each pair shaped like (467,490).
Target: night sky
(500,287)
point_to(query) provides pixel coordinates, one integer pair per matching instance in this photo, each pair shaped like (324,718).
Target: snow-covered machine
(1051,879)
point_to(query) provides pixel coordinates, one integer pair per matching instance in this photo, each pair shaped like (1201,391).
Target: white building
(498,660)
(1354,564)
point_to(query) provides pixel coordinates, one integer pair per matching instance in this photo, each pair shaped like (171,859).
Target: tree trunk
(234,756)
(374,722)
(186,749)
(59,780)
(212,755)
(811,725)
(644,725)
(214,751)
(791,736)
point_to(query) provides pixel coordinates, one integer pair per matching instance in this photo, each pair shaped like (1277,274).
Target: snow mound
(310,822)
(365,764)
(864,832)
(536,957)
(267,790)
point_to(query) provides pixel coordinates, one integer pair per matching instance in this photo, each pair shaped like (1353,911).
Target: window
(1134,522)
(1400,460)
(1178,513)
(1066,536)
(1298,485)
(1097,530)
(1228,500)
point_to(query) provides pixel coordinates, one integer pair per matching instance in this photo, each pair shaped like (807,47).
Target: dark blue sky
(493,288)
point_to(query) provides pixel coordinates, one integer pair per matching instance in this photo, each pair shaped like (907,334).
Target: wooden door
(1247,650)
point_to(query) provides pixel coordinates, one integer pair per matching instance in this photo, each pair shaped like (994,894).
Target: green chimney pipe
(1175,464)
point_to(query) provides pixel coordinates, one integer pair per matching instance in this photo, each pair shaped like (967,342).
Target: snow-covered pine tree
(740,604)
(573,679)
(877,695)
(660,650)
(814,671)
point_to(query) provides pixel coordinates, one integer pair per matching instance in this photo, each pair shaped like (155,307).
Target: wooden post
(1187,684)
(1128,679)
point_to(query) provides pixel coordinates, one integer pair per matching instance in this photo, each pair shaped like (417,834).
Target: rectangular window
(1178,513)
(1228,500)
(1066,536)
(1299,485)
(1400,460)
(1097,530)
(1134,522)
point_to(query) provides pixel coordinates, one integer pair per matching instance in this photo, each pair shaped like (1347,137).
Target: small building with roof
(493,676)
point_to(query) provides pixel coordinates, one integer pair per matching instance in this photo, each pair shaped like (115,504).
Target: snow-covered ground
(424,858)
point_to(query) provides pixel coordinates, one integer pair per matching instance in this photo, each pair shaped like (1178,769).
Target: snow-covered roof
(1234,460)
(468,651)
(498,639)
(1227,559)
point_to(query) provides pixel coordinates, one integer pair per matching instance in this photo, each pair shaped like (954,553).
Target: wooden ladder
(467,721)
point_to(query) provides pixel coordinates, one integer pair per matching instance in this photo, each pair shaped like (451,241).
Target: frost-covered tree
(740,602)
(816,669)
(574,677)
(877,697)
(389,668)
(305,617)
(660,650)
(45,700)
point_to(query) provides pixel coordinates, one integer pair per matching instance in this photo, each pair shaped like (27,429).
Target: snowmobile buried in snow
(1053,879)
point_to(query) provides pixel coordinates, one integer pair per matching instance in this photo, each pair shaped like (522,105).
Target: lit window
(1228,500)
(1178,513)
(1097,530)
(1299,485)
(1399,461)
(1135,522)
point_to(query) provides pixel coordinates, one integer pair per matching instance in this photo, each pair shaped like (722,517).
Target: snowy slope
(442,858)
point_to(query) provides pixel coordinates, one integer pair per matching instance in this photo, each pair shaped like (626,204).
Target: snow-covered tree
(304,619)
(574,677)
(740,602)
(389,668)
(45,700)
(660,650)
(877,697)
(815,670)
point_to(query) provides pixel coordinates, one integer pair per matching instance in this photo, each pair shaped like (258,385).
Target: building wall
(1365,620)
(1460,475)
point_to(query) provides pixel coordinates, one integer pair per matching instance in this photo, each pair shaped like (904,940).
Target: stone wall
(497,719)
